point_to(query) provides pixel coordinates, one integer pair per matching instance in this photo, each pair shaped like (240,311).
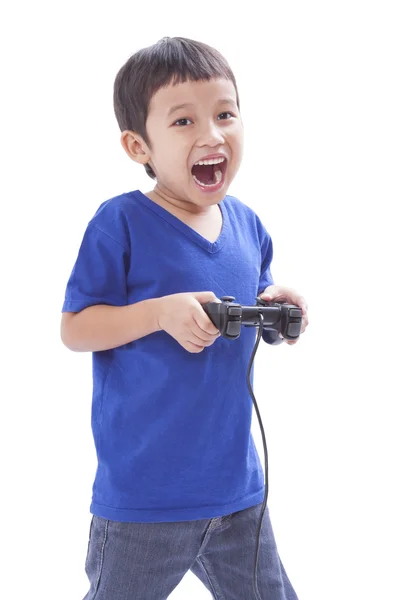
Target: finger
(204,325)
(303,327)
(278,292)
(304,322)
(284,295)
(198,342)
(193,348)
(204,297)
(273,290)
(298,300)
(303,305)
(204,336)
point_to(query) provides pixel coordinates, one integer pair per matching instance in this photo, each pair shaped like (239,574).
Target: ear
(135,147)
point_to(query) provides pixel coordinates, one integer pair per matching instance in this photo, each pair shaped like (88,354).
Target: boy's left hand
(279,293)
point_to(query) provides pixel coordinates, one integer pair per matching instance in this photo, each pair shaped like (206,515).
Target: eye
(226,113)
(180,120)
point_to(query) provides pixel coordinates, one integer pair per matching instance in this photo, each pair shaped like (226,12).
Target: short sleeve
(99,273)
(266,259)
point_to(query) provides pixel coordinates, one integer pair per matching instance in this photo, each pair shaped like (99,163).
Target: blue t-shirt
(171,428)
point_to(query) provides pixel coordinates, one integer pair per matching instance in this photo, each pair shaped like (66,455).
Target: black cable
(264,504)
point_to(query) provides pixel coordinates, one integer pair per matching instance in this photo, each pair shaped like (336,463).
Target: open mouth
(210,176)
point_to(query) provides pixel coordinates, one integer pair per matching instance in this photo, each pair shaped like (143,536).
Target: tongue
(204,173)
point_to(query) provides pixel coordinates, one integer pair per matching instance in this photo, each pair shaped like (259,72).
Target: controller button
(235,311)
(228,298)
(295,313)
(293,330)
(233,328)
(261,302)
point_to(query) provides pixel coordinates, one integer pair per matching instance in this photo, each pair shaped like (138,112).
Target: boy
(179,484)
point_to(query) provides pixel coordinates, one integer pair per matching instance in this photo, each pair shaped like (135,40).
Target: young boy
(179,484)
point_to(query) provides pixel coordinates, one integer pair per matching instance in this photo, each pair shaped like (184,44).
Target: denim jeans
(146,561)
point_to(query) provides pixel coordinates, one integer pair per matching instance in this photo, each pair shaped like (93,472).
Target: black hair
(175,60)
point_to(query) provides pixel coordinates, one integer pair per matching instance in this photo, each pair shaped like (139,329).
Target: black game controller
(228,317)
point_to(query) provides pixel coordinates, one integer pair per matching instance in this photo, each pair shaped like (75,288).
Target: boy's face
(210,124)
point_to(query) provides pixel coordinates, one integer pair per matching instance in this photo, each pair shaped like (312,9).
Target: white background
(319,88)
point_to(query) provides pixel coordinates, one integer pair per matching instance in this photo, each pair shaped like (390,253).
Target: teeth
(218,179)
(211,161)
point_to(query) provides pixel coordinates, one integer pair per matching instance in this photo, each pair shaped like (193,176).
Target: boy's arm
(96,312)
(103,327)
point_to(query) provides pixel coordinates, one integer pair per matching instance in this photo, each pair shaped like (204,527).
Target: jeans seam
(101,558)
(217,595)
(90,537)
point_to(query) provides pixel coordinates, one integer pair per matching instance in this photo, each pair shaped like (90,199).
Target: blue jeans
(146,561)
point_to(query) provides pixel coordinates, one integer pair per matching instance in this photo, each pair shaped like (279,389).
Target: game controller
(229,316)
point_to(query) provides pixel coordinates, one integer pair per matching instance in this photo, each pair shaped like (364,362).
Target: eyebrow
(190,104)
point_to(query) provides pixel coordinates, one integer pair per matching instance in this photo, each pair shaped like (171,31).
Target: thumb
(204,297)
(272,291)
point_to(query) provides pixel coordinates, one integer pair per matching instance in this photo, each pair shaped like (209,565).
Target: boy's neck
(173,205)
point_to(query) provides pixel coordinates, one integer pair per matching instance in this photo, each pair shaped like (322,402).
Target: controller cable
(264,504)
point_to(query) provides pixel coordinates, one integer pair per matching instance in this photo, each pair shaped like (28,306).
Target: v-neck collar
(211,247)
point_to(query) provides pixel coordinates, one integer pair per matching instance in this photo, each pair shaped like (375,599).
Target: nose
(210,134)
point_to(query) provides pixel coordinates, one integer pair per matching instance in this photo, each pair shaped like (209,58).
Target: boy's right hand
(183,317)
